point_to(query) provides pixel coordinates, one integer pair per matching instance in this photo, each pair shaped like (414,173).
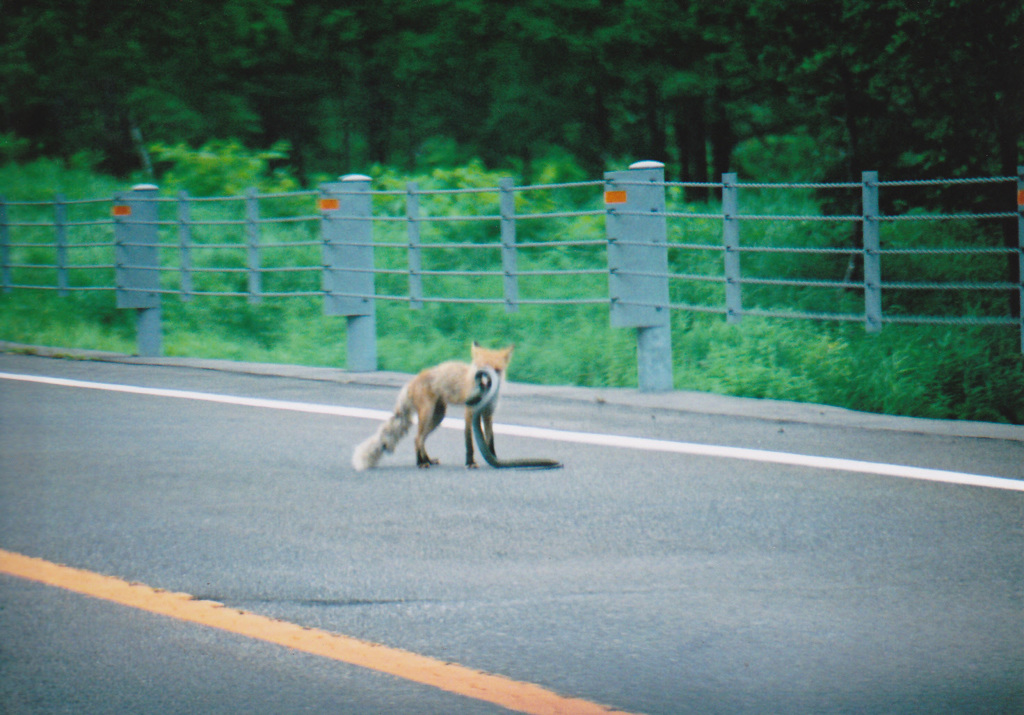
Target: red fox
(429,394)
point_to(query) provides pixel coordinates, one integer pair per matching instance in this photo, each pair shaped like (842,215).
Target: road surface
(789,567)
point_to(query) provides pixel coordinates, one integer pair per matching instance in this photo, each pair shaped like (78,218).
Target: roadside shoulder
(675,401)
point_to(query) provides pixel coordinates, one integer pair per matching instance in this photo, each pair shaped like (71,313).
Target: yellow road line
(451,677)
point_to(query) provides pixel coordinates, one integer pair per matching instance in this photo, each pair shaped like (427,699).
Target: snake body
(487,384)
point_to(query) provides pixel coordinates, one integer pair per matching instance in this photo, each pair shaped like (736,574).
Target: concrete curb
(676,401)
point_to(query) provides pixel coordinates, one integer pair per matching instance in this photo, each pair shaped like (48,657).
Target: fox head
(498,359)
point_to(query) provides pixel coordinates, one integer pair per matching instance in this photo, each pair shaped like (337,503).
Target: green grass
(943,372)
(962,373)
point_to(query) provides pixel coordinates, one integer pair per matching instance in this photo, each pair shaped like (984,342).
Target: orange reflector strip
(615,197)
(122,211)
(329,204)
(1020,198)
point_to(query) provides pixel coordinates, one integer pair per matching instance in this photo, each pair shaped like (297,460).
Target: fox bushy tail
(386,438)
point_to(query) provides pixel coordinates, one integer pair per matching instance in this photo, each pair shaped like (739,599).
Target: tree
(899,86)
(904,87)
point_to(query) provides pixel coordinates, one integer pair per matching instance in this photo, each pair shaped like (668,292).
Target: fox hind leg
(429,418)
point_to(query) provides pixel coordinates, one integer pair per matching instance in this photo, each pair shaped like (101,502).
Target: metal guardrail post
(1020,250)
(5,247)
(252,239)
(637,233)
(347,232)
(412,215)
(731,256)
(872,256)
(60,227)
(137,264)
(185,245)
(507,210)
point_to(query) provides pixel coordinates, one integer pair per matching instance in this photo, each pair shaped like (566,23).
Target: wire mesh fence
(853,252)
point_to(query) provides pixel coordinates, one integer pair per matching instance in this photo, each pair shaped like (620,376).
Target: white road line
(308,407)
(588,438)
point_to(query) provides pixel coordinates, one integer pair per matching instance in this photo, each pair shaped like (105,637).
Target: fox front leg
(481,386)
(470,457)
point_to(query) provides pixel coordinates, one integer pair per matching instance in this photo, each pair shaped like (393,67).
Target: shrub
(222,168)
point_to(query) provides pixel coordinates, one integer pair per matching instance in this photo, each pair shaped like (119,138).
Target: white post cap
(647,165)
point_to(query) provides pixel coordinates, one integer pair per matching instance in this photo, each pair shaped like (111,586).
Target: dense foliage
(900,86)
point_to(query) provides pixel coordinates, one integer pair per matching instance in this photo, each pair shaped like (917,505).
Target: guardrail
(653,257)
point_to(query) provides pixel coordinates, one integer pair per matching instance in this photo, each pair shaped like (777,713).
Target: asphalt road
(647,581)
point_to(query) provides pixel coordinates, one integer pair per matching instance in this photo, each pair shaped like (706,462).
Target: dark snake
(487,383)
